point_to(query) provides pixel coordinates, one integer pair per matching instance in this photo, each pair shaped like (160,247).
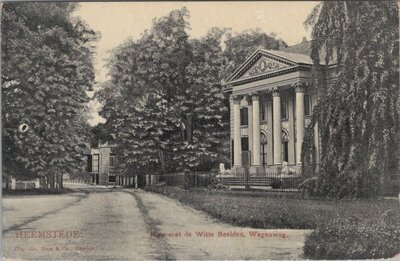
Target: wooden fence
(18,184)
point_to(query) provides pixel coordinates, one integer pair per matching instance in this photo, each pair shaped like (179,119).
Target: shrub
(36,191)
(288,183)
(276,183)
(308,186)
(355,238)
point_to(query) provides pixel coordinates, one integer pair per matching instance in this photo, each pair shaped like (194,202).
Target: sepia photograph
(191,130)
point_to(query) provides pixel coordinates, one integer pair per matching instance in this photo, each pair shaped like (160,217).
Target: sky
(117,21)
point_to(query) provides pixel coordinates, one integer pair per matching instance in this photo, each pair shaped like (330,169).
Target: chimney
(304,39)
(281,46)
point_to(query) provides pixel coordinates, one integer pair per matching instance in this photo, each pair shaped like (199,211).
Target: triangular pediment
(259,63)
(262,66)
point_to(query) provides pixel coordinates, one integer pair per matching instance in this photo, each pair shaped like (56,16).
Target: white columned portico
(276,106)
(250,126)
(299,88)
(237,143)
(256,130)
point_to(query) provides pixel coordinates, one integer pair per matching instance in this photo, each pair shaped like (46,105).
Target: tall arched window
(263,149)
(285,146)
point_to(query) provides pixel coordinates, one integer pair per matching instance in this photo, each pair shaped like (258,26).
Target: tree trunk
(61,181)
(7,181)
(51,177)
(57,181)
(42,181)
(186,176)
(189,126)
(162,162)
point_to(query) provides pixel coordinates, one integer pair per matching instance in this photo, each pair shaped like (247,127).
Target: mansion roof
(295,57)
(301,48)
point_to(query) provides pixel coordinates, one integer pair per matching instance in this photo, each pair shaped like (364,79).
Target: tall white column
(292,144)
(237,143)
(299,87)
(276,106)
(250,126)
(270,144)
(256,130)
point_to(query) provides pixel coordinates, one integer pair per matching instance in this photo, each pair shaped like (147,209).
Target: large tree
(46,71)
(358,117)
(163,103)
(145,76)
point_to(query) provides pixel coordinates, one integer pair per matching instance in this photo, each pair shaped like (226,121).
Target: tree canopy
(46,70)
(359,117)
(164,105)
(241,45)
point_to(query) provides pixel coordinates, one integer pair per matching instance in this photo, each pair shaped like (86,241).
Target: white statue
(222,170)
(286,170)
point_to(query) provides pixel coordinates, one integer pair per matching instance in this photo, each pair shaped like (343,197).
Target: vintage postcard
(261,130)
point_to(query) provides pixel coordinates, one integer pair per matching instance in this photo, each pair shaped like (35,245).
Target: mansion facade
(271,102)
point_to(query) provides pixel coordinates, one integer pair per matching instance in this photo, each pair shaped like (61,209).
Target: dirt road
(120,224)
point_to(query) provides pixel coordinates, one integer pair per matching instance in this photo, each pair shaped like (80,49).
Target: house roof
(301,48)
(305,48)
(294,57)
(299,53)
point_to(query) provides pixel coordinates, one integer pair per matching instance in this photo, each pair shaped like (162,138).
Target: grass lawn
(344,229)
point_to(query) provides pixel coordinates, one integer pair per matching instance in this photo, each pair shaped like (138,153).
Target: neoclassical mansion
(271,102)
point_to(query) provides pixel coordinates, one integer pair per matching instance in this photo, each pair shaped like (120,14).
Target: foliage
(359,117)
(164,107)
(276,183)
(239,46)
(100,135)
(355,238)
(309,185)
(46,69)
(145,96)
